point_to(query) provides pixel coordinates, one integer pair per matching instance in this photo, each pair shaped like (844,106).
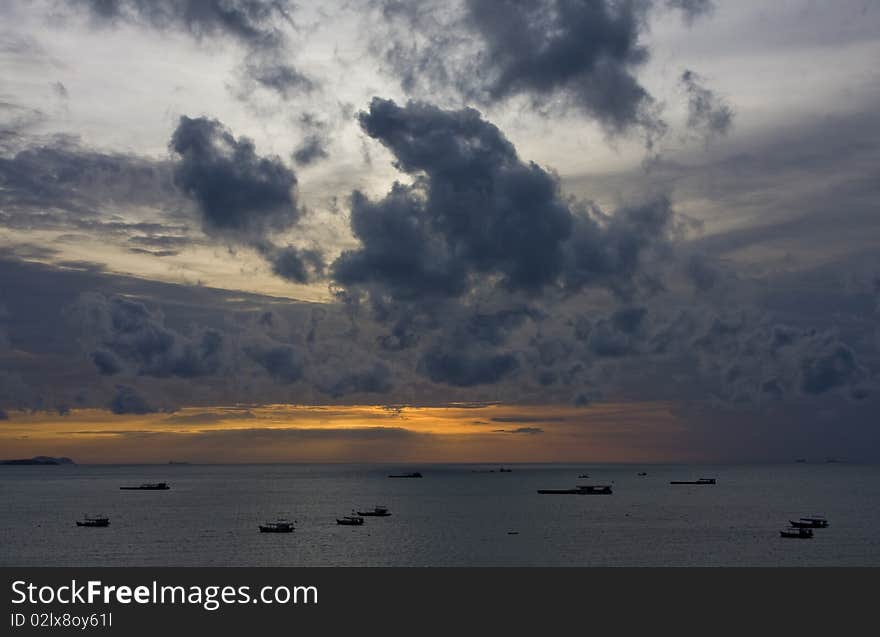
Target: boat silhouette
(350,520)
(148,486)
(376,512)
(94,521)
(281,525)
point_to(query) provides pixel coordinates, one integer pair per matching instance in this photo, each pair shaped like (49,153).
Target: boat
(281,525)
(602,489)
(800,460)
(414,474)
(642,473)
(94,520)
(503,470)
(700,481)
(584,475)
(812,522)
(350,520)
(799,533)
(596,489)
(148,486)
(377,512)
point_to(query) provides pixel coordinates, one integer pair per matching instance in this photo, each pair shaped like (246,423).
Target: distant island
(38,460)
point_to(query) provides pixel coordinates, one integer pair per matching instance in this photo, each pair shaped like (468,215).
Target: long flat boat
(376,512)
(797,533)
(281,525)
(414,474)
(811,522)
(600,489)
(99,521)
(148,486)
(700,481)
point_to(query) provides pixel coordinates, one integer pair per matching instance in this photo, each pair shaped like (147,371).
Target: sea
(455,515)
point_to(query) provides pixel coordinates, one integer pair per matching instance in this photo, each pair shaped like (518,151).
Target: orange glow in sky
(604,432)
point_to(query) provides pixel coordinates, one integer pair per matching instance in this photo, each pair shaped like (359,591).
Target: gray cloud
(60,90)
(252,22)
(371,380)
(476,209)
(692,9)
(313,147)
(582,53)
(707,113)
(242,197)
(259,25)
(125,330)
(128,401)
(282,362)
(465,369)
(239,193)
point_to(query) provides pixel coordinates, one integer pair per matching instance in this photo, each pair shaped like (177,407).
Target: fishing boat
(584,475)
(94,520)
(350,520)
(281,525)
(414,474)
(798,533)
(700,481)
(601,489)
(811,522)
(596,489)
(642,473)
(376,512)
(148,486)
(503,470)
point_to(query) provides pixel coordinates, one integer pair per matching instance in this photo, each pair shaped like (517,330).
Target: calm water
(452,516)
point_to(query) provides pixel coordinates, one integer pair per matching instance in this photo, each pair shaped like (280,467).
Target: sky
(439,231)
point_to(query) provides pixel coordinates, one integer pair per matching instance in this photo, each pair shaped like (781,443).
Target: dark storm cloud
(754,360)
(707,113)
(293,264)
(834,365)
(127,332)
(106,362)
(483,239)
(476,208)
(239,193)
(609,250)
(583,50)
(583,53)
(372,380)
(464,369)
(62,176)
(282,362)
(243,198)
(128,401)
